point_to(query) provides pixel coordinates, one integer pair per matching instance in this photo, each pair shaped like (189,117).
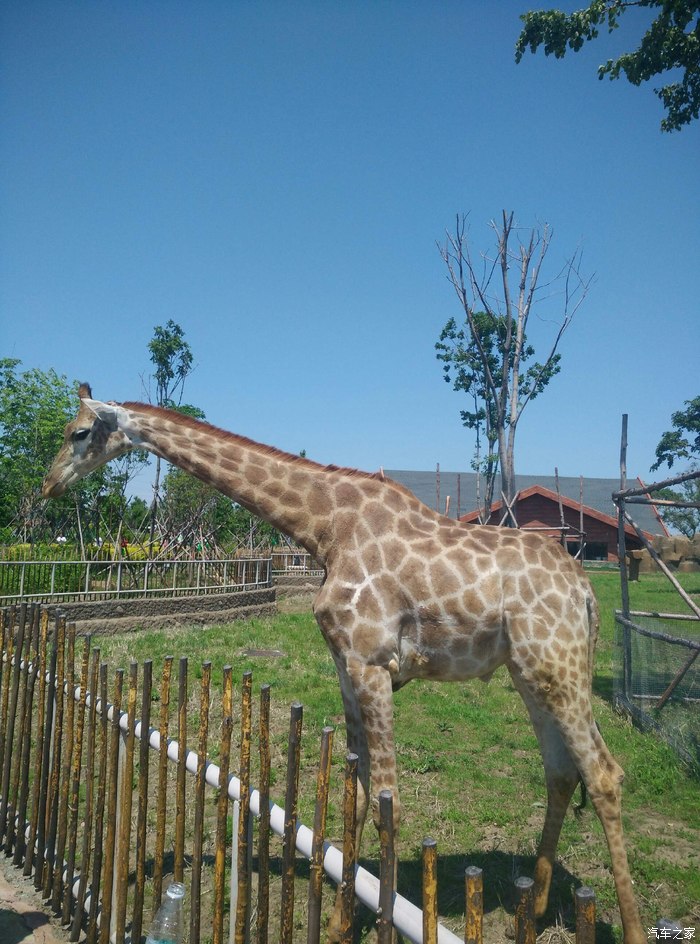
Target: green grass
(470,771)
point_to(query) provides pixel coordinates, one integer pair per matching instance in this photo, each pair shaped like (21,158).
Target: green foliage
(683,441)
(485,357)
(35,406)
(672,42)
(463,352)
(191,510)
(685,520)
(172,357)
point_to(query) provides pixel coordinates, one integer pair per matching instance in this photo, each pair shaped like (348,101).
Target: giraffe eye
(80,434)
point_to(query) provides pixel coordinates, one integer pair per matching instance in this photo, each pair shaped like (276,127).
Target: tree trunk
(507,480)
(154,508)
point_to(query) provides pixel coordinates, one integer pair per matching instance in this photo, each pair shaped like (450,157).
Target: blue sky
(275,176)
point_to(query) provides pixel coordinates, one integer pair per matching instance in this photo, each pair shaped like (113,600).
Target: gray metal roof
(597,493)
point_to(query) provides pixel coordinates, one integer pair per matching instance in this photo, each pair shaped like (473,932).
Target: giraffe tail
(593,627)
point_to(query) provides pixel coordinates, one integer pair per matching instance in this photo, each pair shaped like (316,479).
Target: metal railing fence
(82,580)
(293,562)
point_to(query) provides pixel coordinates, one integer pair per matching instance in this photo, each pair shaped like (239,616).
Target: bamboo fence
(100,808)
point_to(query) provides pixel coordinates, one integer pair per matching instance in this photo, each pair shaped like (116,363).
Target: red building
(537,508)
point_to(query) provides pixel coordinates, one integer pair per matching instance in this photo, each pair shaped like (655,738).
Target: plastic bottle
(167,926)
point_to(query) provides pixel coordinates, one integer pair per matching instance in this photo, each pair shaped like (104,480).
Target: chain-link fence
(657,677)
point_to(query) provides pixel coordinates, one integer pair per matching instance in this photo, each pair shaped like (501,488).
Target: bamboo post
(387,868)
(44,790)
(74,796)
(141,837)
(9,713)
(221,817)
(67,690)
(290,823)
(474,895)
(622,558)
(264,822)
(585,915)
(23,686)
(54,781)
(99,809)
(243,824)
(86,848)
(222,807)
(430,905)
(179,865)
(112,796)
(40,669)
(26,739)
(161,802)
(126,799)
(319,834)
(524,911)
(198,841)
(5,669)
(347,896)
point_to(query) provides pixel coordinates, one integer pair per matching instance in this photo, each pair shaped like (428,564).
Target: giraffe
(407,594)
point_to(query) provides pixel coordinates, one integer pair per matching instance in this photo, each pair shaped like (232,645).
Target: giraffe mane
(223,434)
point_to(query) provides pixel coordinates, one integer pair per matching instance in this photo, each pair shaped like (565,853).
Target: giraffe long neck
(289,492)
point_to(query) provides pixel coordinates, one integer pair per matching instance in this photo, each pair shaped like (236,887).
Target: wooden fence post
(524,911)
(290,824)
(347,898)
(198,840)
(474,896)
(243,856)
(161,802)
(320,812)
(141,833)
(430,904)
(584,898)
(264,824)
(387,868)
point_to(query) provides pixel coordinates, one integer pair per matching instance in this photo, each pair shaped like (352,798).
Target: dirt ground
(23,917)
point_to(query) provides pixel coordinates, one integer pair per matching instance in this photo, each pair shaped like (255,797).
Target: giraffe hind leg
(601,775)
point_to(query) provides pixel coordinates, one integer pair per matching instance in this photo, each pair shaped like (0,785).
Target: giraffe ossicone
(407,594)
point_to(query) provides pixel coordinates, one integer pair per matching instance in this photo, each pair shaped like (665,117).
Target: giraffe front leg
(356,744)
(372,687)
(369,716)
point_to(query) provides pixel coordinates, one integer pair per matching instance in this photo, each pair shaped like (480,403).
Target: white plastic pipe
(408,919)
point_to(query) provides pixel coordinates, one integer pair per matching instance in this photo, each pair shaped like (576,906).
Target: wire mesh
(657,677)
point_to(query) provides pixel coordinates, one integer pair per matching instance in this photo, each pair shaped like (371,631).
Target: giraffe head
(97,434)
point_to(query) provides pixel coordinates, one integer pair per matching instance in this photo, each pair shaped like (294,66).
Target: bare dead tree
(499,292)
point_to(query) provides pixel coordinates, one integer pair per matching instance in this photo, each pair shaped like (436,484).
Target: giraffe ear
(107,412)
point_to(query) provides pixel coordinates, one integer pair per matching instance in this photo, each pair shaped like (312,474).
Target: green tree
(683,440)
(683,519)
(461,353)
(35,406)
(172,357)
(486,356)
(671,43)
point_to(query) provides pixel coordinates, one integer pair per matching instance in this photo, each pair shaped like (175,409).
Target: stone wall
(678,553)
(120,615)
